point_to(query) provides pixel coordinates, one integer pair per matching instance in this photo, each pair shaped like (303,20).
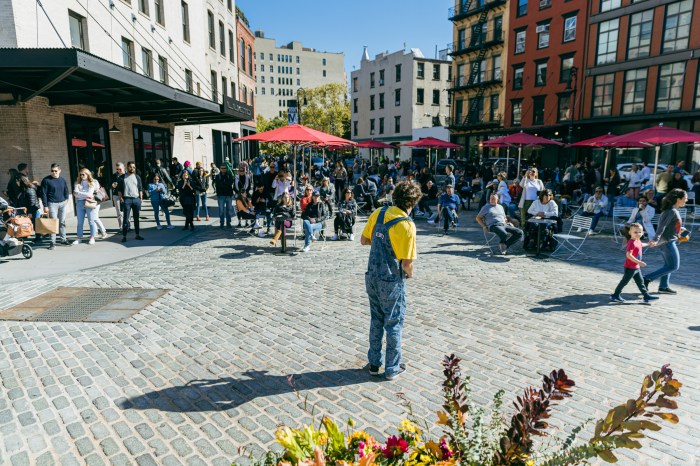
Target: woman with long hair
(283,215)
(85,204)
(340,177)
(98,223)
(668,232)
(531,185)
(188,193)
(345,215)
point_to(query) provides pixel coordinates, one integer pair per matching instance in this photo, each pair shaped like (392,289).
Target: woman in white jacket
(531,185)
(545,207)
(635,183)
(643,214)
(84,191)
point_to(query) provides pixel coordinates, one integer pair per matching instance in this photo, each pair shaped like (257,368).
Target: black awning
(75,77)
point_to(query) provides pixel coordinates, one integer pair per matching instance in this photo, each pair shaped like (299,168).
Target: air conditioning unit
(542,28)
(545,3)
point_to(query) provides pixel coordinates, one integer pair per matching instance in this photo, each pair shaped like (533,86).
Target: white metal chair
(619,217)
(490,240)
(570,243)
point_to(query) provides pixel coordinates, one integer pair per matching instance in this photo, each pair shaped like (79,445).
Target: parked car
(626,168)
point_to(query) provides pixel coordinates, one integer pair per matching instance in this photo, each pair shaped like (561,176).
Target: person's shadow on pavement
(576,303)
(227,393)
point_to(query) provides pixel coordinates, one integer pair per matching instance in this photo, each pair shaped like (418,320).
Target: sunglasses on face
(83,174)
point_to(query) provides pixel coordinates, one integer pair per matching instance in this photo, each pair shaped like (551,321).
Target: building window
(224,86)
(163,69)
(210,26)
(324,73)
(222,39)
(398,73)
(250,60)
(77,30)
(449,73)
(493,107)
(371,126)
(381,77)
(419,96)
(214,87)
(185,21)
(324,62)
(397,124)
(476,109)
(540,73)
(520,41)
(677,26)
(436,72)
(522,7)
(381,101)
(516,108)
(143,7)
(354,84)
(497,27)
(478,34)
(188,81)
(271,57)
(241,52)
(640,34)
(603,94)
(147,62)
(371,103)
(128,53)
(564,107)
(354,105)
(518,72)
(607,5)
(420,74)
(569,29)
(244,95)
(480,74)
(542,31)
(297,59)
(607,41)
(354,128)
(436,96)
(371,80)
(160,13)
(262,79)
(697,93)
(461,39)
(670,88)
(263,91)
(229,5)
(634,92)
(397,97)
(381,126)
(567,63)
(538,110)
(496,68)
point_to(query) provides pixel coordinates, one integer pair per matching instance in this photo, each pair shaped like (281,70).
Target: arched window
(250,60)
(242,52)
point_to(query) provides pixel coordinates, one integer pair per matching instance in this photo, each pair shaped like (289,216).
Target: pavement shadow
(228,392)
(481,254)
(244,252)
(694,328)
(575,303)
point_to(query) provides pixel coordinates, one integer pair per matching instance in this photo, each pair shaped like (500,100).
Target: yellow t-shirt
(402,235)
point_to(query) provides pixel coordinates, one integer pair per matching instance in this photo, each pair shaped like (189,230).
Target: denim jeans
(156,211)
(81,212)
(502,232)
(131,204)
(387,304)
(202,202)
(448,216)
(672,262)
(118,209)
(596,218)
(58,210)
(309,230)
(225,209)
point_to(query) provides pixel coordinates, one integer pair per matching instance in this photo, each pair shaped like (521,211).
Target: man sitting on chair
(447,208)
(492,218)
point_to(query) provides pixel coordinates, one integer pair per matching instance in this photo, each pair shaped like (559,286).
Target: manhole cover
(83,305)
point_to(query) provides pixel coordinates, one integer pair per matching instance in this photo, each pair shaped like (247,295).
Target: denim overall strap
(383,263)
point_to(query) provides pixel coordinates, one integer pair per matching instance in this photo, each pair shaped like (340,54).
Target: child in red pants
(633,264)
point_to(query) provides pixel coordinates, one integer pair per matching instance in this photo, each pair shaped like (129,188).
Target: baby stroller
(18,228)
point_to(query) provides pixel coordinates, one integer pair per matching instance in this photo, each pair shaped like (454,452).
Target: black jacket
(284,211)
(317,212)
(187,193)
(28,194)
(224,184)
(120,184)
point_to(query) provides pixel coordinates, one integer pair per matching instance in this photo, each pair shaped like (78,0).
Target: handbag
(166,200)
(90,204)
(46,226)
(101,194)
(20,227)
(589,207)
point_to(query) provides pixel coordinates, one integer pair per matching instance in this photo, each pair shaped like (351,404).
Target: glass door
(88,147)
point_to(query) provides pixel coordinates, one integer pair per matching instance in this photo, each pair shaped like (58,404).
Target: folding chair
(620,213)
(490,240)
(570,243)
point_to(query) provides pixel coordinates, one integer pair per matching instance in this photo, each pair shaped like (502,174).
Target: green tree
(327,109)
(262,125)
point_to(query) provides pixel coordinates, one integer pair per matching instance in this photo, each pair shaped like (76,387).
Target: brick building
(84,95)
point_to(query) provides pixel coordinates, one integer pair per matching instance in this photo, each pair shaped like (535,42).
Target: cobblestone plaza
(245,340)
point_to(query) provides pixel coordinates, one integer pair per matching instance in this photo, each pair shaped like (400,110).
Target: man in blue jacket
(54,195)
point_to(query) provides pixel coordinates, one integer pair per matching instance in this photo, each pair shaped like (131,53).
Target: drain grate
(84,305)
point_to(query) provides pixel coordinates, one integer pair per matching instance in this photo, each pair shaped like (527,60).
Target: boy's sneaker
(373,370)
(649,298)
(667,291)
(402,369)
(616,299)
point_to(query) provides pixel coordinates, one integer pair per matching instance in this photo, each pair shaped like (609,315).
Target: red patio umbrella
(519,140)
(604,141)
(656,136)
(432,143)
(373,144)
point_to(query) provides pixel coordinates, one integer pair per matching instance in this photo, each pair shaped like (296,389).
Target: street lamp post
(571,87)
(301,91)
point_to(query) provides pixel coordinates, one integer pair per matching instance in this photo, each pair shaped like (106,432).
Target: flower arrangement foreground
(471,437)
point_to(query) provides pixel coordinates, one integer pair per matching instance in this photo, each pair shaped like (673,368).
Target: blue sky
(345,26)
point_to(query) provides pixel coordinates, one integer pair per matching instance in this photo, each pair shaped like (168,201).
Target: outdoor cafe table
(540,222)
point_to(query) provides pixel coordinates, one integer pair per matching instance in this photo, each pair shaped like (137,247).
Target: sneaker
(402,369)
(432,222)
(139,237)
(92,241)
(667,291)
(502,248)
(77,241)
(616,299)
(306,249)
(591,232)
(159,227)
(104,235)
(170,227)
(352,237)
(334,238)
(261,234)
(419,214)
(373,370)
(649,298)
(52,247)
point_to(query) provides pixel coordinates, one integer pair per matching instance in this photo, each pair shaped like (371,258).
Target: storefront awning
(75,77)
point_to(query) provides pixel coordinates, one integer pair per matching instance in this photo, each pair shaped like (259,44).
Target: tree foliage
(262,125)
(326,109)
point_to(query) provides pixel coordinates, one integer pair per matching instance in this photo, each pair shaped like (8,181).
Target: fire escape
(473,112)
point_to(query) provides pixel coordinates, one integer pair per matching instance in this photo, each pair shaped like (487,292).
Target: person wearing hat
(314,218)
(448,203)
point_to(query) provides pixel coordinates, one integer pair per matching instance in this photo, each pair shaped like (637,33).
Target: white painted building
(281,71)
(399,97)
(162,72)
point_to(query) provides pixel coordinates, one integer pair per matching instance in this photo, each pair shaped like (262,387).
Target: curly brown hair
(406,195)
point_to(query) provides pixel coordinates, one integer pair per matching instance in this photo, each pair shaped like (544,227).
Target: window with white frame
(541,73)
(520,41)
(670,87)
(634,92)
(677,26)
(603,94)
(542,31)
(640,34)
(607,5)
(607,41)
(569,29)
(516,107)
